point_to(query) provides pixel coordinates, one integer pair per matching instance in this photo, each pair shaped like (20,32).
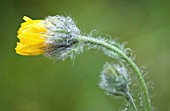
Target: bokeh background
(39,84)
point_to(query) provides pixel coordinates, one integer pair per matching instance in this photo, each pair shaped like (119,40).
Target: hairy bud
(114,79)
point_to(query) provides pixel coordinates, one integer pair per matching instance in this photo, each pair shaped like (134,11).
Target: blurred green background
(39,84)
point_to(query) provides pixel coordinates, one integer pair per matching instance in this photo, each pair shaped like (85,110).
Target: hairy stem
(125,57)
(131,101)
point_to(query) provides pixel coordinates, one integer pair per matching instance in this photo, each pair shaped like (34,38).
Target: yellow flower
(32,37)
(52,37)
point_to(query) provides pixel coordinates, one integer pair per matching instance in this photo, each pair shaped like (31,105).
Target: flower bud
(114,79)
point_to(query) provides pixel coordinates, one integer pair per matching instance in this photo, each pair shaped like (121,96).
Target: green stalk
(120,53)
(131,101)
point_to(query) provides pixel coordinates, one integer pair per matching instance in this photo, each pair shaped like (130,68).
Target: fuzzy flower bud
(53,37)
(114,79)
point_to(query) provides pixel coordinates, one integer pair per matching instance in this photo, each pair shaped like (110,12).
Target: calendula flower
(52,37)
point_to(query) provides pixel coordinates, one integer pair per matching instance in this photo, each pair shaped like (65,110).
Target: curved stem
(119,52)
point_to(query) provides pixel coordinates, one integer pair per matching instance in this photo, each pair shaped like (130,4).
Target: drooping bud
(114,79)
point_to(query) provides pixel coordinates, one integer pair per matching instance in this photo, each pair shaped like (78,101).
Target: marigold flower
(32,37)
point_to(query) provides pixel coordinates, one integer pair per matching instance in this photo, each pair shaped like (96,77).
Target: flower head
(52,37)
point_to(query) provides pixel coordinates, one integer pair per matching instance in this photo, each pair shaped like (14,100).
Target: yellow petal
(33,49)
(32,37)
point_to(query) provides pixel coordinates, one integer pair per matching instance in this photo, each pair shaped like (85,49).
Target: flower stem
(131,101)
(107,45)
